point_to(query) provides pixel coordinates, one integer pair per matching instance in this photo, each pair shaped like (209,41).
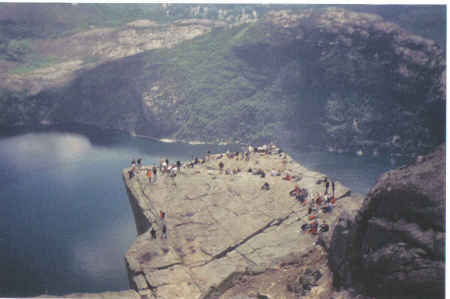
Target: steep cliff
(394,246)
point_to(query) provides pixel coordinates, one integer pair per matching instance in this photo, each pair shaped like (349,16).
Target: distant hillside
(323,78)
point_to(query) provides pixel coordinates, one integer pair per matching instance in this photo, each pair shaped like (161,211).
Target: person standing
(332,187)
(149,175)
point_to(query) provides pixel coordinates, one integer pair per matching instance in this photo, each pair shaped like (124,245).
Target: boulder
(394,246)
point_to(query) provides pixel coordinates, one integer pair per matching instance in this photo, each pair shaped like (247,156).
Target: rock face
(394,246)
(227,236)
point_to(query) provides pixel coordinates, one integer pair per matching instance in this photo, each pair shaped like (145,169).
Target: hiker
(265,149)
(324,227)
(306,227)
(153,233)
(301,195)
(327,185)
(173,172)
(139,163)
(314,227)
(311,207)
(133,163)
(295,191)
(333,200)
(332,188)
(265,186)
(319,200)
(221,165)
(178,166)
(149,175)
(260,172)
(167,161)
(130,173)
(164,230)
(208,155)
(164,167)
(247,156)
(327,208)
(287,177)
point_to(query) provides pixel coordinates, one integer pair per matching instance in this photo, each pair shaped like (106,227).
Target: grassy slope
(226,96)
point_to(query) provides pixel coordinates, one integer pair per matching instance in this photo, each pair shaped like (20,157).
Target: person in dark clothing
(221,165)
(153,233)
(163,229)
(324,227)
(130,174)
(327,185)
(167,162)
(332,187)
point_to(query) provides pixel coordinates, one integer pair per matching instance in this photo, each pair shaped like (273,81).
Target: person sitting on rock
(327,208)
(319,200)
(265,186)
(295,191)
(287,177)
(324,227)
(306,227)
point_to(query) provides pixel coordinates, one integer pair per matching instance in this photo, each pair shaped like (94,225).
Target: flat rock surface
(222,225)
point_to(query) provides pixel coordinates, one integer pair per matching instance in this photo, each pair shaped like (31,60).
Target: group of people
(164,168)
(162,219)
(318,203)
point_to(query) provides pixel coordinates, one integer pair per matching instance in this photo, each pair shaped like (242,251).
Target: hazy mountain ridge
(317,77)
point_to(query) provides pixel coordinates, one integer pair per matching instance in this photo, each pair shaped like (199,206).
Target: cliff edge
(226,235)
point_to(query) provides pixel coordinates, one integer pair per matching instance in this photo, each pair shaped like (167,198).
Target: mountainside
(315,77)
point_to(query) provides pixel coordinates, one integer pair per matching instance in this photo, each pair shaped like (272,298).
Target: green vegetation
(225,96)
(35,63)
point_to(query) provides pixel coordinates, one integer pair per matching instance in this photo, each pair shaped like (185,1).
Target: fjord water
(65,218)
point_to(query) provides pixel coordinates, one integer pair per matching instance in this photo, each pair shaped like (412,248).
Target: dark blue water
(65,220)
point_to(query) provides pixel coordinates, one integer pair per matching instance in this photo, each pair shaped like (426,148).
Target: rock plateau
(227,236)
